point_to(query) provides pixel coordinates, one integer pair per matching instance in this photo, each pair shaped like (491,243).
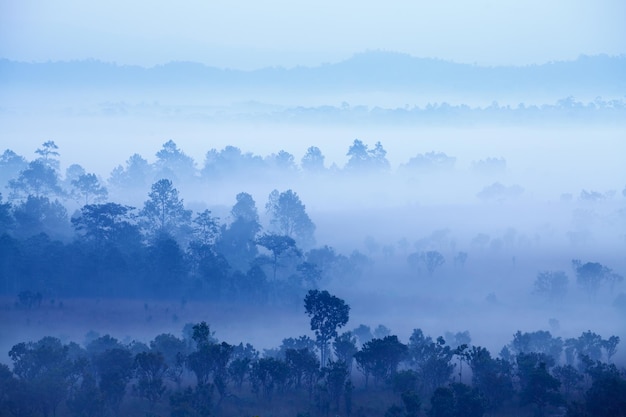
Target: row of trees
(163,245)
(42,176)
(197,375)
(165,249)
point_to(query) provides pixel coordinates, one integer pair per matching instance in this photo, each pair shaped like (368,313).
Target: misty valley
(420,282)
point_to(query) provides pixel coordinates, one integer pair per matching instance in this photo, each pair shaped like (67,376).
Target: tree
(280,247)
(137,173)
(456,400)
(115,369)
(6,217)
(538,387)
(288,217)
(268,375)
(430,259)
(430,161)
(48,154)
(38,180)
(206,230)
(590,345)
(11,164)
(607,395)
(173,351)
(313,160)
(164,212)
(537,342)
(166,265)
(551,284)
(311,274)
(431,360)
(282,163)
(106,222)
(362,159)
(433,260)
(88,187)
(327,313)
(380,357)
(174,163)
(345,348)
(238,240)
(46,371)
(303,367)
(490,376)
(592,275)
(40,215)
(335,376)
(150,368)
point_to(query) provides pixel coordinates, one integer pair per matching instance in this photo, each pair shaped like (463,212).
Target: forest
(167,233)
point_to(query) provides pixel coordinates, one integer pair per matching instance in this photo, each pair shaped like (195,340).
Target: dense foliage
(197,375)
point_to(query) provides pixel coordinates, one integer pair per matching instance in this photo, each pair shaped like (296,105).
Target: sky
(252,34)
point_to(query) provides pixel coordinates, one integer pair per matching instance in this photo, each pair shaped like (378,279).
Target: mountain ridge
(363,71)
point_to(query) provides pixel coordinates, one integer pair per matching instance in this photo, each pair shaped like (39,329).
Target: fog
(443,214)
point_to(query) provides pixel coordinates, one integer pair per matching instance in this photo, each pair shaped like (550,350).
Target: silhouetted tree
(88,187)
(150,367)
(288,217)
(380,357)
(268,375)
(327,313)
(303,367)
(108,222)
(592,275)
(431,360)
(345,348)
(115,369)
(537,342)
(164,212)
(538,387)
(334,378)
(166,267)
(280,247)
(173,350)
(48,154)
(238,240)
(45,370)
(456,400)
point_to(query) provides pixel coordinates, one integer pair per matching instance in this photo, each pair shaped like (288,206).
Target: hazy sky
(251,34)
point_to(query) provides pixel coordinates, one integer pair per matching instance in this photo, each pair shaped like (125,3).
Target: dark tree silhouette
(46,370)
(238,240)
(280,247)
(164,212)
(150,369)
(380,357)
(327,313)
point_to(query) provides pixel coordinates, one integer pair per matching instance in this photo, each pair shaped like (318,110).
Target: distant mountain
(385,71)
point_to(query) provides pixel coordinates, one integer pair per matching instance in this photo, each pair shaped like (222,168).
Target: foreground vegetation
(354,373)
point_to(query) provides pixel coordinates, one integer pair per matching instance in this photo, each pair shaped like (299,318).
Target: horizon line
(301,66)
